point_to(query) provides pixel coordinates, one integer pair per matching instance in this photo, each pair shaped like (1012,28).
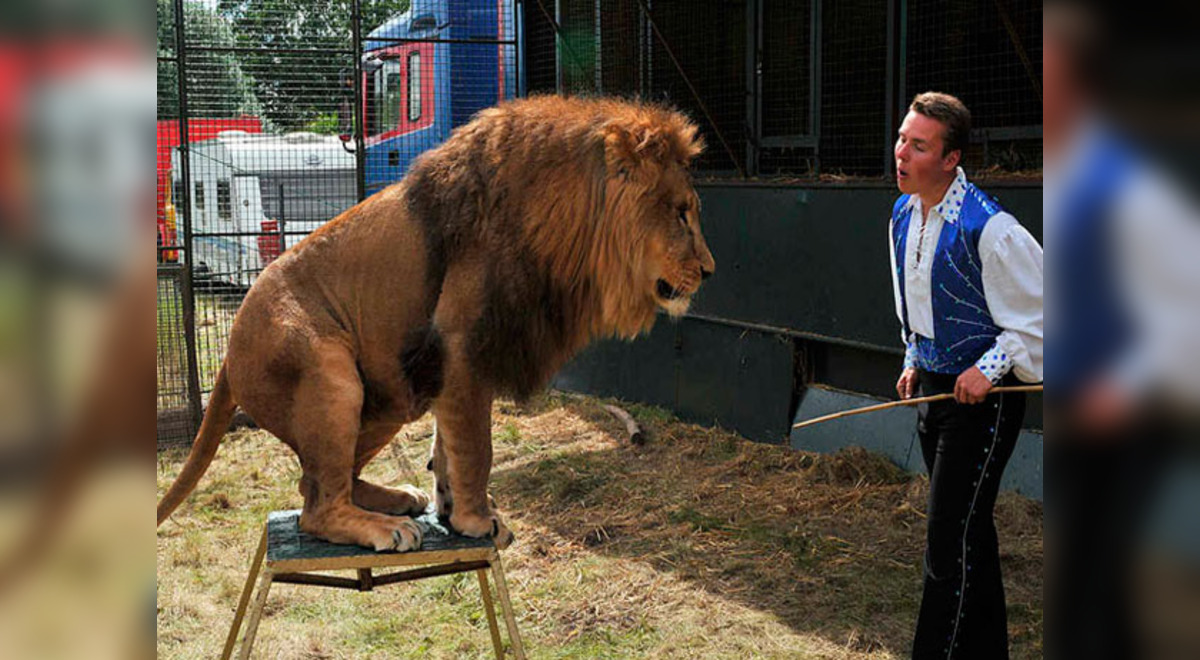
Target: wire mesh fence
(275,116)
(690,55)
(176,416)
(990,54)
(788,89)
(805,88)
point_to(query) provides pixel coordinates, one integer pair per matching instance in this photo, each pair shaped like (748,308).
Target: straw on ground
(698,544)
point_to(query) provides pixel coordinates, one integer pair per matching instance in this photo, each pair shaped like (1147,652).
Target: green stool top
(285,541)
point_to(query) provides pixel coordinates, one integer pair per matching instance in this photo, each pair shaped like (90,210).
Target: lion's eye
(683,217)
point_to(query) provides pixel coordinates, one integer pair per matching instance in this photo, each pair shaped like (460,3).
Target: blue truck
(428,70)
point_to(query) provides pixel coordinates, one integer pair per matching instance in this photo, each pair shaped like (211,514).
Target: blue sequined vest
(963,327)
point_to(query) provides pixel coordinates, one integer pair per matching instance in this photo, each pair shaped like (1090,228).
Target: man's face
(921,166)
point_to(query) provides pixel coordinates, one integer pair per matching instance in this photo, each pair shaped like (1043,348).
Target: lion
(541,224)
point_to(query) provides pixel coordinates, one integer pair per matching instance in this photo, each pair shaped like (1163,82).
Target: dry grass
(697,545)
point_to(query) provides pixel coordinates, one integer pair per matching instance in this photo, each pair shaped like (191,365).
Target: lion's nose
(705,273)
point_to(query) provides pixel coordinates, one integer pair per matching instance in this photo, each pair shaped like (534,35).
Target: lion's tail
(216,421)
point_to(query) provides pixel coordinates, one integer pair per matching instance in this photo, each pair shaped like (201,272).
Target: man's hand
(972,386)
(907,383)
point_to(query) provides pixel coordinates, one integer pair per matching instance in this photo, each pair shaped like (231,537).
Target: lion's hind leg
(343,522)
(326,408)
(404,500)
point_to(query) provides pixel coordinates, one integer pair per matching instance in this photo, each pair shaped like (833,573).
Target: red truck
(199,129)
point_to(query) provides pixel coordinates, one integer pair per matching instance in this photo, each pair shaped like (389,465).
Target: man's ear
(951,160)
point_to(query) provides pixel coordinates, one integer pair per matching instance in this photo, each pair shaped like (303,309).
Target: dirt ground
(698,544)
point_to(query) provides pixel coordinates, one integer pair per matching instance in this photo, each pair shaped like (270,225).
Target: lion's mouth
(666,291)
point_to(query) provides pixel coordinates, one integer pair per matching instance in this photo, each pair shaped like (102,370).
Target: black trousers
(966,448)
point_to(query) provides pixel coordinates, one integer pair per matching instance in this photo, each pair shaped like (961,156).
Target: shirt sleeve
(995,363)
(910,354)
(1012,284)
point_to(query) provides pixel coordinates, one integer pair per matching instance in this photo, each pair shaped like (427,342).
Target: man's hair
(951,113)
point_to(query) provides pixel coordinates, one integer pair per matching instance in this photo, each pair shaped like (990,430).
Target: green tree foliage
(218,84)
(301,90)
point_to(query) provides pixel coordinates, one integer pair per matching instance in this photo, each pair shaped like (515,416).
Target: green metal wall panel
(737,379)
(706,373)
(642,370)
(814,259)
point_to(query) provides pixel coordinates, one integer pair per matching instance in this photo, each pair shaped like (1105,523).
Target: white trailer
(253,194)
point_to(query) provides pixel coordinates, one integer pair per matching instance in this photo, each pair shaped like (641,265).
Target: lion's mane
(547,191)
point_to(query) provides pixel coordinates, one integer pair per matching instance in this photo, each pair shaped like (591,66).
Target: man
(967,280)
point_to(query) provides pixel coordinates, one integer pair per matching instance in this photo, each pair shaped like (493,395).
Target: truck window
(414,86)
(387,97)
(199,195)
(224,200)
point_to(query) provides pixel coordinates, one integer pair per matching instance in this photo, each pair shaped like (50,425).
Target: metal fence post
(518,35)
(754,64)
(189,296)
(890,109)
(360,163)
(597,49)
(283,219)
(814,71)
(902,62)
(558,46)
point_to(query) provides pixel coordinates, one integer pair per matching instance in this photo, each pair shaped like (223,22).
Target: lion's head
(650,198)
(672,258)
(615,213)
(581,217)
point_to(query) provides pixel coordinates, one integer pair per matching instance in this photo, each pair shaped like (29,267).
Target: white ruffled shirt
(1012,284)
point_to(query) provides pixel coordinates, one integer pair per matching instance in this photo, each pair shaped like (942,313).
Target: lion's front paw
(477,526)
(405,536)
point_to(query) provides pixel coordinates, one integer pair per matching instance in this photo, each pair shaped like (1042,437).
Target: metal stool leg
(264,587)
(506,606)
(246,591)
(491,613)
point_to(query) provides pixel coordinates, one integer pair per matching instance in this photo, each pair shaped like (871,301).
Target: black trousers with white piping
(966,448)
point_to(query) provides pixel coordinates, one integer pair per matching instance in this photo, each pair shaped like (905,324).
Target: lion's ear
(630,149)
(692,144)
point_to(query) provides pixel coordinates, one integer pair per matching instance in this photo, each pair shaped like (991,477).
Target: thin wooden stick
(909,402)
(632,430)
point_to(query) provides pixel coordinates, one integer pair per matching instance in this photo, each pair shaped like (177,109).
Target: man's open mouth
(666,291)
